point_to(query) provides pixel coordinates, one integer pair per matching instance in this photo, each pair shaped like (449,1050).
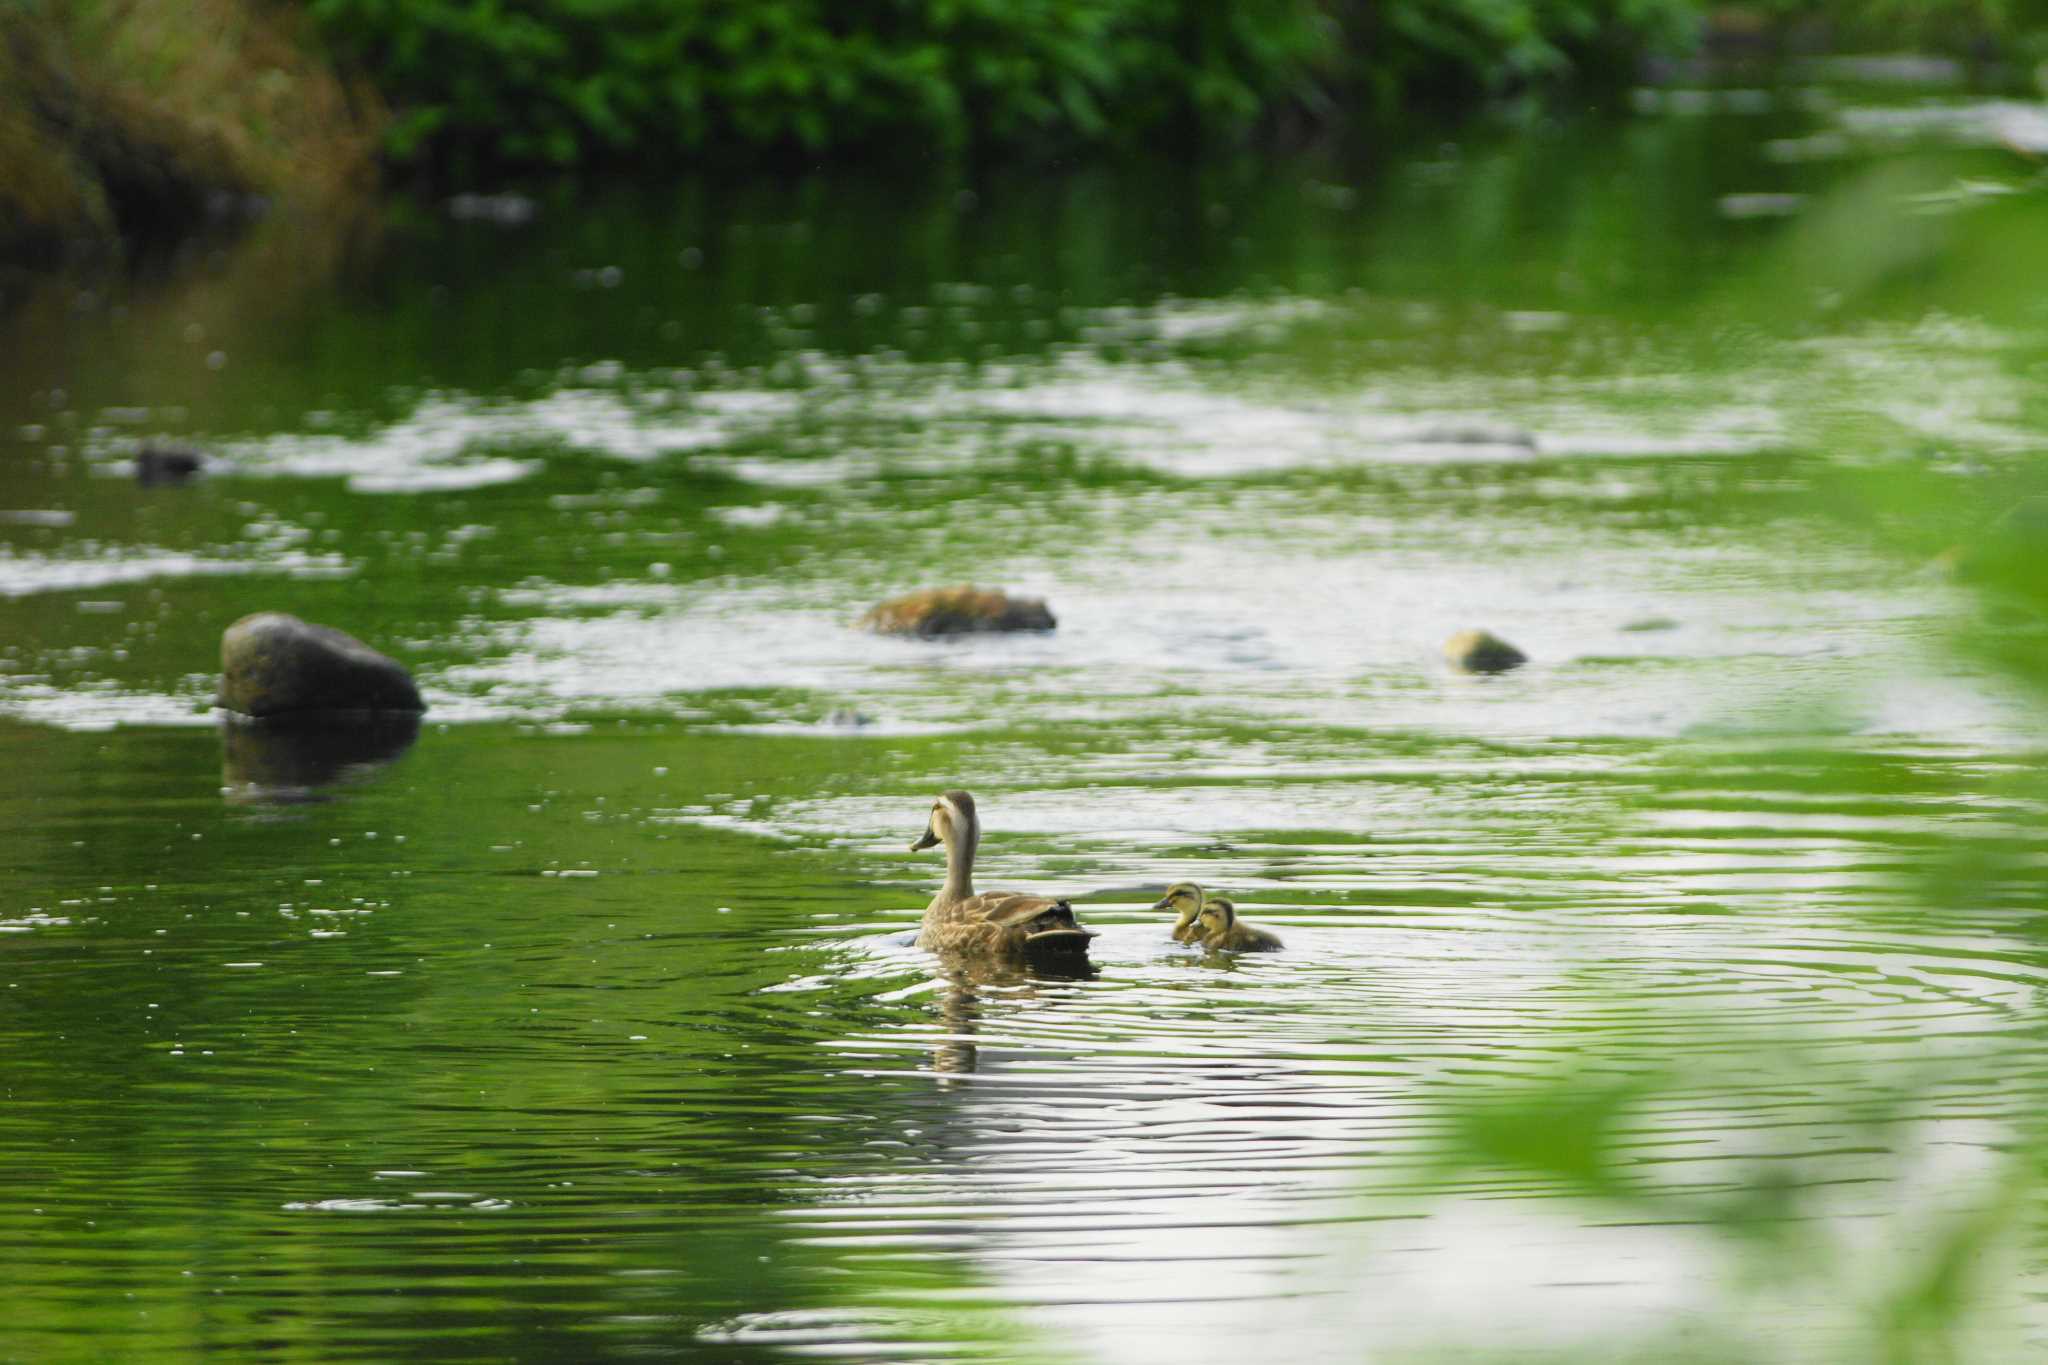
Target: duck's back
(1246,938)
(992,921)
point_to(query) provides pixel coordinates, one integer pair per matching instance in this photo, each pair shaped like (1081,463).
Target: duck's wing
(1257,940)
(1011,907)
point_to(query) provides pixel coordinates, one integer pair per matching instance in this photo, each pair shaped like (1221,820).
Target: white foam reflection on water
(1289,637)
(22,575)
(1309,601)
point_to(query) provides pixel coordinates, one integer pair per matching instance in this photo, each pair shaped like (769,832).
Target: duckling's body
(1185,898)
(1219,927)
(996,923)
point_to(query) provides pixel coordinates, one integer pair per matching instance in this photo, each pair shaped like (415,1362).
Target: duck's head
(1183,898)
(1215,919)
(952,820)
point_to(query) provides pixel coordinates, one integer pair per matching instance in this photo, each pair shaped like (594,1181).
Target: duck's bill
(1163,903)
(925,841)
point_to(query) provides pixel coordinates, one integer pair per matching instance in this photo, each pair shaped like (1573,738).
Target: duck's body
(1186,899)
(994,923)
(1219,927)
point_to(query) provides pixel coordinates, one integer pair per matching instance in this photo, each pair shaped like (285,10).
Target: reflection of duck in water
(1186,899)
(1001,923)
(1219,927)
(960,1008)
(969,986)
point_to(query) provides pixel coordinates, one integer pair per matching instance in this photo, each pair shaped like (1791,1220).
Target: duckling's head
(952,818)
(1216,918)
(1184,898)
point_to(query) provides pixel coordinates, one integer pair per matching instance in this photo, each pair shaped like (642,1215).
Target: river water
(1677,995)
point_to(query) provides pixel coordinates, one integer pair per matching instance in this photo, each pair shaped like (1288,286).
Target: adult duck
(996,923)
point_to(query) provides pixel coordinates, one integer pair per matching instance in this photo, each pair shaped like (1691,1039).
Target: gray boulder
(274,664)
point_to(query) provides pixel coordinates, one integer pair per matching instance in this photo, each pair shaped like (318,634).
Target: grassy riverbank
(144,119)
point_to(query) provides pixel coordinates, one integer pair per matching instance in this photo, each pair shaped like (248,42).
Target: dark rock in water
(846,718)
(273,664)
(287,760)
(1480,651)
(155,464)
(957,611)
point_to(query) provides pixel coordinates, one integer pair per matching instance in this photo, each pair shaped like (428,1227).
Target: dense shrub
(570,81)
(564,81)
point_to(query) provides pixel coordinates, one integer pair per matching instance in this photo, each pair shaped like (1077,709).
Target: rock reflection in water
(289,760)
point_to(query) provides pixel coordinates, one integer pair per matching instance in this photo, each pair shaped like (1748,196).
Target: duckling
(995,922)
(1186,898)
(1219,927)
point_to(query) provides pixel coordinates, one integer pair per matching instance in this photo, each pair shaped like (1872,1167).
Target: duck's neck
(960,864)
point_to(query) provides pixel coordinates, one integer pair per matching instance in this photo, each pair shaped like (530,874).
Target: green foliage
(2018,25)
(1487,47)
(564,82)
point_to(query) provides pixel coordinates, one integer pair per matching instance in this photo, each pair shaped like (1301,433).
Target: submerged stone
(956,611)
(1481,651)
(274,664)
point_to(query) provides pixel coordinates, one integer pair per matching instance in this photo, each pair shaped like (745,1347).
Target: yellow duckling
(1219,927)
(994,922)
(1186,898)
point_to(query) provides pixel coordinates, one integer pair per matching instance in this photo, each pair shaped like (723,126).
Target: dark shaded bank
(147,120)
(124,122)
(132,120)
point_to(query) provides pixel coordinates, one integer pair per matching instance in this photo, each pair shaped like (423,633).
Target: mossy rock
(937,612)
(1481,651)
(274,664)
